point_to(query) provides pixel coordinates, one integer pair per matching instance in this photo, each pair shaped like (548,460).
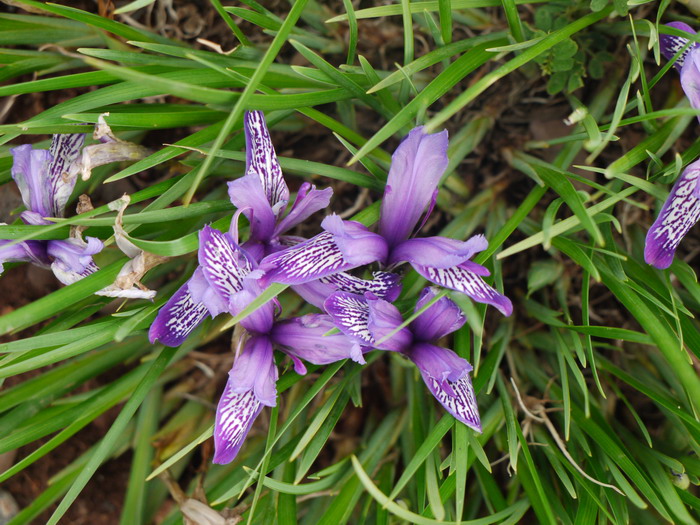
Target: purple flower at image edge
(416,169)
(679,213)
(373,322)
(688,63)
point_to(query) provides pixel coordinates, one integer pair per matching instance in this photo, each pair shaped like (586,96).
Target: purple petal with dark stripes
(438,252)
(458,398)
(441,318)
(462,279)
(235,415)
(416,168)
(350,313)
(678,214)
(309,200)
(64,150)
(384,285)
(262,160)
(344,245)
(670,44)
(177,318)
(223,263)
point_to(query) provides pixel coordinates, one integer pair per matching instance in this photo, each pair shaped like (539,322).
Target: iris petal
(177,318)
(235,414)
(678,214)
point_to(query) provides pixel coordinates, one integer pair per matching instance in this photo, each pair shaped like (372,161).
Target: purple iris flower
(679,213)
(45,181)
(223,282)
(688,63)
(262,196)
(370,321)
(412,185)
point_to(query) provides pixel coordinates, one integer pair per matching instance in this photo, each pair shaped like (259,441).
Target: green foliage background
(603,349)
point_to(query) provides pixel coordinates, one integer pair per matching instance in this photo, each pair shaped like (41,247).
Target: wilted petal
(383,323)
(358,245)
(177,318)
(438,252)
(72,258)
(235,414)
(64,151)
(309,200)
(385,285)
(304,338)
(255,370)
(29,171)
(678,214)
(441,318)
(261,159)
(670,45)
(223,263)
(350,314)
(110,149)
(248,195)
(416,168)
(462,279)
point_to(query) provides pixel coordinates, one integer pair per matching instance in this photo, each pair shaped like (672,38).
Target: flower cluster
(682,208)
(356,313)
(231,274)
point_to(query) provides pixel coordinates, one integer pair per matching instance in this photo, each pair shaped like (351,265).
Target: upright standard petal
(463,278)
(416,168)
(235,414)
(438,252)
(64,150)
(309,200)
(223,263)
(261,159)
(350,313)
(678,214)
(670,44)
(29,171)
(305,338)
(385,285)
(255,370)
(248,195)
(177,318)
(441,318)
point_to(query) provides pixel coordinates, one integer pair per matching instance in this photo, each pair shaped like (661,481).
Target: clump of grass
(589,393)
